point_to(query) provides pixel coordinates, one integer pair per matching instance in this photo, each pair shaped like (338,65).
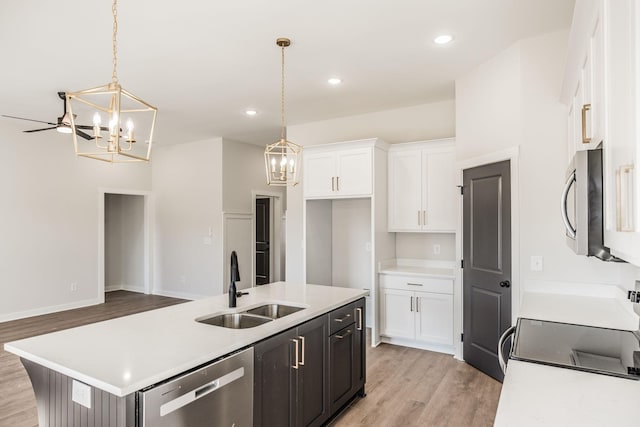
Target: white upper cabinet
(583,89)
(621,144)
(600,87)
(338,170)
(422,189)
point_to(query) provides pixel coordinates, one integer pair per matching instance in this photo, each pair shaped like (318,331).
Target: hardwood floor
(405,386)
(17,402)
(411,387)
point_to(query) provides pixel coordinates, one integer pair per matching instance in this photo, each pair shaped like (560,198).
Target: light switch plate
(536,263)
(81,393)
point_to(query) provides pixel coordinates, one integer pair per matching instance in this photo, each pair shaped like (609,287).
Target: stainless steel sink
(235,320)
(274,311)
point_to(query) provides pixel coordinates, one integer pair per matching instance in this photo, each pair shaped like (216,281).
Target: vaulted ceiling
(203,63)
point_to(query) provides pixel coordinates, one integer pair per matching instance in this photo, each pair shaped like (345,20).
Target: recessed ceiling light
(334,81)
(251,112)
(443,39)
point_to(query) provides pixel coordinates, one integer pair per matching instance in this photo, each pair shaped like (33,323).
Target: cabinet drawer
(417,283)
(342,317)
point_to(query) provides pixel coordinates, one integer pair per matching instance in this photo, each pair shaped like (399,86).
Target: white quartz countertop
(417,267)
(129,353)
(541,395)
(404,270)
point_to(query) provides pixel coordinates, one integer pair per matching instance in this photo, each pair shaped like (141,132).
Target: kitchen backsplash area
(428,246)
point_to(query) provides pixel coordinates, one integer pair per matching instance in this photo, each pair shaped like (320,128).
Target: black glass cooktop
(585,348)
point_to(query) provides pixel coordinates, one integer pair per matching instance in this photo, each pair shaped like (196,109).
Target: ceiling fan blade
(103,128)
(83,134)
(30,120)
(38,130)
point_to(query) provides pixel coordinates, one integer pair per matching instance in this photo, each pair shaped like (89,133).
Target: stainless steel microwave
(582,205)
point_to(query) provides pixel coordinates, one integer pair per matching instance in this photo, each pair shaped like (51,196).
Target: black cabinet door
(313,373)
(274,384)
(341,366)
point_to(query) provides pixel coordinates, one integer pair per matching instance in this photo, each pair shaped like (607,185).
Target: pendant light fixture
(123,124)
(283,158)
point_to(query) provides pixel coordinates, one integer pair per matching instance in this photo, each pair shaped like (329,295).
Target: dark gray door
(263,257)
(487,263)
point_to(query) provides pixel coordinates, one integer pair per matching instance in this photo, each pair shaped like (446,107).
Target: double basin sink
(250,318)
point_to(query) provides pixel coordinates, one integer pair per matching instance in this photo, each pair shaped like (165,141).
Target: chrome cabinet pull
(346,334)
(295,342)
(337,183)
(359,311)
(411,303)
(333,178)
(417,304)
(302,344)
(343,319)
(585,108)
(418,217)
(424,217)
(414,284)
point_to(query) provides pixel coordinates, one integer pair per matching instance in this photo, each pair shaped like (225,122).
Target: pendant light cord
(114,11)
(282,99)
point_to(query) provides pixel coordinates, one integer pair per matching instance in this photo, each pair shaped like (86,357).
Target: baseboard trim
(112,288)
(440,348)
(181,295)
(49,309)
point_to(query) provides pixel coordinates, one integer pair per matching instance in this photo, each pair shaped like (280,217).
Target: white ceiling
(203,62)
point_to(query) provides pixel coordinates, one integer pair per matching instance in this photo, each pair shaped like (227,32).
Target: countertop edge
(198,361)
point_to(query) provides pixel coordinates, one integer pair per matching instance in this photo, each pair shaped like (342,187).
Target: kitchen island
(123,356)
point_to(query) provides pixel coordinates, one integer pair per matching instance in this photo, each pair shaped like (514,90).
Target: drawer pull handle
(296,365)
(346,334)
(302,344)
(359,327)
(414,284)
(411,303)
(343,319)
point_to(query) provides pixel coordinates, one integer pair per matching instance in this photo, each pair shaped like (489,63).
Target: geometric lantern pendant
(122,124)
(283,160)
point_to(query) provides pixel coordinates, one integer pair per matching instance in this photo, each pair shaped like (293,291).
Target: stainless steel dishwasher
(218,394)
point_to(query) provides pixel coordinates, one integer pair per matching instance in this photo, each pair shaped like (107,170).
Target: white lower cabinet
(422,318)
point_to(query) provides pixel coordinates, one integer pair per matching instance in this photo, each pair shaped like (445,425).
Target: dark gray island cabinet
(301,373)
(304,376)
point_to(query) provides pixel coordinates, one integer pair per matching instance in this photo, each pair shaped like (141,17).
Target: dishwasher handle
(501,342)
(200,392)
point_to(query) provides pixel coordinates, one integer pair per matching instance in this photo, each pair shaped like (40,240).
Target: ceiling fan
(63,124)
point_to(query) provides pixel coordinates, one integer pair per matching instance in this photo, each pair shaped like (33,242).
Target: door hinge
(461,337)
(461,187)
(461,263)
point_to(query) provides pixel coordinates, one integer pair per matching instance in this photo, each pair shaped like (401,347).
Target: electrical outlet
(73,287)
(536,263)
(367,247)
(81,393)
(436,249)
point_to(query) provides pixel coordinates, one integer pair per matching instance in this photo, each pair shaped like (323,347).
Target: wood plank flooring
(405,386)
(17,402)
(411,387)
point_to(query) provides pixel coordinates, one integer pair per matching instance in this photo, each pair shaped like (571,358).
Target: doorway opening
(124,259)
(268,260)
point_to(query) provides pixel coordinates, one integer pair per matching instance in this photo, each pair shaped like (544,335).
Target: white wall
(124,242)
(49,220)
(351,243)
(513,101)
(421,122)
(188,205)
(421,246)
(243,174)
(319,242)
